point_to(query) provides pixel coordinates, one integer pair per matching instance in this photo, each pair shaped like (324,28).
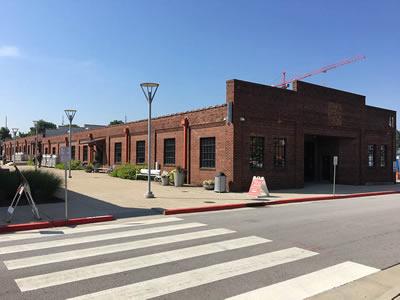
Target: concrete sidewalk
(93,194)
(384,285)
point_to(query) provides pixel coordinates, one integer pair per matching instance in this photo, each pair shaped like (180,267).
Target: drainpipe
(78,145)
(185,124)
(127,146)
(90,149)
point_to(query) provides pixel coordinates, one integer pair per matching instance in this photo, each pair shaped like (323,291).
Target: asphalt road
(282,252)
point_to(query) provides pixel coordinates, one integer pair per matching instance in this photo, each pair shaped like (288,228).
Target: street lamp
(70,115)
(14,131)
(35,123)
(149,90)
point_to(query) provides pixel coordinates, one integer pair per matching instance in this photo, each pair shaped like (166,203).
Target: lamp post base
(149,195)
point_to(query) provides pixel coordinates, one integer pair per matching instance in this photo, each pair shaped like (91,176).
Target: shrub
(171,176)
(89,168)
(30,162)
(43,185)
(127,171)
(60,166)
(75,165)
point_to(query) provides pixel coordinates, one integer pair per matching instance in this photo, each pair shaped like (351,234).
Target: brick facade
(314,123)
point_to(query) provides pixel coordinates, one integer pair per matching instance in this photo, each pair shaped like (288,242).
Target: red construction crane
(285,83)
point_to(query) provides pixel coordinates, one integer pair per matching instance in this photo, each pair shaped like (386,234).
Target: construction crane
(285,83)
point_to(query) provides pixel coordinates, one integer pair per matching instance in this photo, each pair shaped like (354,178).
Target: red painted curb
(55,223)
(174,211)
(309,199)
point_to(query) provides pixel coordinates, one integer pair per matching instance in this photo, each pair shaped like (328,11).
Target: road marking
(61,231)
(96,238)
(181,281)
(310,284)
(95,251)
(93,271)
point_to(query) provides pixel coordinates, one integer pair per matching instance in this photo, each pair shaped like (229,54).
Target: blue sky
(92,55)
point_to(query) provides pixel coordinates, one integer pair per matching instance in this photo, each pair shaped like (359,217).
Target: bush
(89,168)
(60,166)
(75,165)
(43,185)
(127,171)
(30,162)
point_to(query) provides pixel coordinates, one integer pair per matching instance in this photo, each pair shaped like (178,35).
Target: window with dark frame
(53,151)
(279,152)
(140,152)
(256,152)
(72,152)
(117,153)
(207,152)
(85,153)
(382,156)
(371,156)
(169,152)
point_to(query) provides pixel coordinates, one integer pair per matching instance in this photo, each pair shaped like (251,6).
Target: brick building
(288,136)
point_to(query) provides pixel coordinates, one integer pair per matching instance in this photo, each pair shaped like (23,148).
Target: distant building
(288,136)
(63,129)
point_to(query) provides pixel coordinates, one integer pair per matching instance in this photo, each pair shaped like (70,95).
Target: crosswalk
(48,261)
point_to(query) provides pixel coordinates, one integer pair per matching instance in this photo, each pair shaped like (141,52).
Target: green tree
(23,134)
(42,125)
(4,133)
(116,122)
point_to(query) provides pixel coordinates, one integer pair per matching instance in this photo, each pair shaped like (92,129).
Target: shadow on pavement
(79,205)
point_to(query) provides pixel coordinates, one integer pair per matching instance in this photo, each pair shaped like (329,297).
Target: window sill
(207,169)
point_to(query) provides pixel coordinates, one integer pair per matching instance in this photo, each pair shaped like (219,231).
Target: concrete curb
(173,211)
(55,223)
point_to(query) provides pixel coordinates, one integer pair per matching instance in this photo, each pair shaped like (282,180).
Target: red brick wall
(342,118)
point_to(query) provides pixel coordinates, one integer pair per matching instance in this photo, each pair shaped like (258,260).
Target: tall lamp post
(35,123)
(149,90)
(70,115)
(14,131)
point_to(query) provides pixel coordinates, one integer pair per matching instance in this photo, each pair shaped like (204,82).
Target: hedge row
(75,165)
(127,171)
(43,185)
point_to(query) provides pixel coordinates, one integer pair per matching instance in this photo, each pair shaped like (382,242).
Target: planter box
(164,181)
(179,179)
(209,187)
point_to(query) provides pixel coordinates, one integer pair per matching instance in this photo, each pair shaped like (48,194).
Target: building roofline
(142,120)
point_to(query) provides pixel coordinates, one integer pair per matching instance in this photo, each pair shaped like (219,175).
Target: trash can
(220,183)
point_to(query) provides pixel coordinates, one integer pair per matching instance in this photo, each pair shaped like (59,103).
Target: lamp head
(70,114)
(149,90)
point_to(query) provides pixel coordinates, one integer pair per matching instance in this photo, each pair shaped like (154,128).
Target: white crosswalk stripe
(92,271)
(177,282)
(96,238)
(57,231)
(310,284)
(114,248)
(300,287)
